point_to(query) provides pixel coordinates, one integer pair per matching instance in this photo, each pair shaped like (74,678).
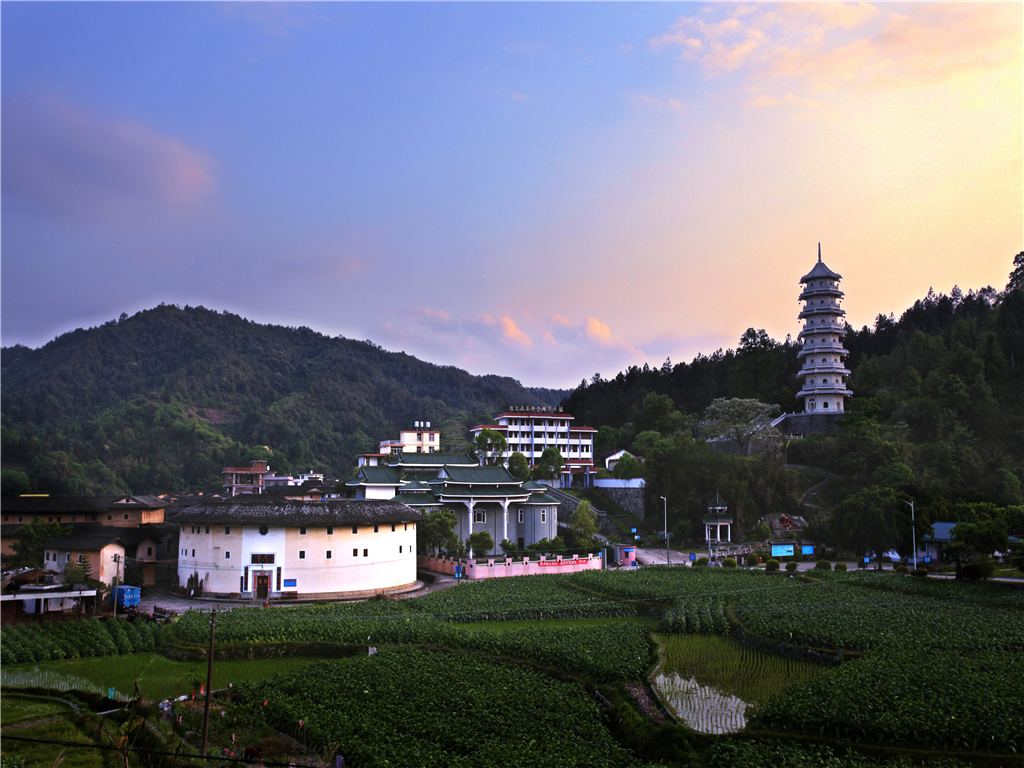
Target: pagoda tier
(823,373)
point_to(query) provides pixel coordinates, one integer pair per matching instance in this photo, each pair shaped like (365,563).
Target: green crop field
(407,707)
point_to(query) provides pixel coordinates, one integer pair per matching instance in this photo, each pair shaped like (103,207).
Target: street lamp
(913,531)
(668,552)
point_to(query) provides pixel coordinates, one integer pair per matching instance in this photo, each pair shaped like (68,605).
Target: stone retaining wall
(630,499)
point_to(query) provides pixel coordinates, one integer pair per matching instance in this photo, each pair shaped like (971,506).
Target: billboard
(782,550)
(807,549)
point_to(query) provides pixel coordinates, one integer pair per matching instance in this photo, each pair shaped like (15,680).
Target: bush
(902,569)
(729,562)
(701,561)
(771,565)
(975,571)
(919,572)
(839,567)
(791,566)
(823,565)
(753,559)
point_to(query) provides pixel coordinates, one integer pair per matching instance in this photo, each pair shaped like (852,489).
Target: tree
(740,420)
(490,446)
(627,467)
(480,543)
(870,520)
(437,532)
(518,466)
(547,546)
(549,465)
(657,413)
(14,482)
(583,523)
(509,548)
(759,362)
(979,540)
(28,549)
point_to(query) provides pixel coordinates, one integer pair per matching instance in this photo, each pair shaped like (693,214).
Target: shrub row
(75,639)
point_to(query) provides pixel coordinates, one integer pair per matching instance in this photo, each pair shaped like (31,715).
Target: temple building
(823,372)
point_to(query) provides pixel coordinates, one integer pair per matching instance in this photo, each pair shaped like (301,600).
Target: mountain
(162,400)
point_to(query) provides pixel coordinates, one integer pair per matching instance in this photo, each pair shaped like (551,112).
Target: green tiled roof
(417,500)
(433,459)
(487,475)
(465,492)
(414,485)
(542,498)
(378,476)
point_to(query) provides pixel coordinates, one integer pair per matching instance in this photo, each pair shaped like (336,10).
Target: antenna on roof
(819,253)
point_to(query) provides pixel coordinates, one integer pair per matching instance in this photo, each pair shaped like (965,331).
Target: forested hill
(164,399)
(937,411)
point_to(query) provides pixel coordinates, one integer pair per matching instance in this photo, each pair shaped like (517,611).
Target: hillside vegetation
(164,399)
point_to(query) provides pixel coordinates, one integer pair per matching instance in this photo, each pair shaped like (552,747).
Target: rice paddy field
(710,682)
(929,665)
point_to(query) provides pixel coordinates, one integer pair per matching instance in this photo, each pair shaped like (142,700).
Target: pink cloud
(511,331)
(72,164)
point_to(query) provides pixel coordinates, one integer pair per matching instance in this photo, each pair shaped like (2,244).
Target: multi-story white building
(824,373)
(421,439)
(531,431)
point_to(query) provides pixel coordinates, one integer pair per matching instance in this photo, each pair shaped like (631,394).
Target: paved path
(170,600)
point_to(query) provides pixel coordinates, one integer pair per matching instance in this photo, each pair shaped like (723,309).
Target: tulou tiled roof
(41,505)
(268,511)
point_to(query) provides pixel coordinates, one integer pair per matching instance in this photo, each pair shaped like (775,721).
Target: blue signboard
(927,559)
(628,549)
(290,582)
(867,559)
(693,556)
(632,530)
(807,549)
(783,550)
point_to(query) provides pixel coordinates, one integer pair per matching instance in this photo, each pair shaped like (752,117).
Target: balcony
(821,292)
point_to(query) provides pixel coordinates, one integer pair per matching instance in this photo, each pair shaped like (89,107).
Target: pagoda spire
(819,252)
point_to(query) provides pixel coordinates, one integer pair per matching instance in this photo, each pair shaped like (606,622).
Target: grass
(158,677)
(45,755)
(15,708)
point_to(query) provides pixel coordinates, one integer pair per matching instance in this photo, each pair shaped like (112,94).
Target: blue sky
(536,190)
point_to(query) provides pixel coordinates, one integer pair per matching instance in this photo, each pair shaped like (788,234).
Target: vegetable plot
(407,707)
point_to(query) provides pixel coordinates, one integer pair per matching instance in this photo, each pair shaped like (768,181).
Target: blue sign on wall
(693,556)
(783,550)
(632,530)
(807,549)
(289,582)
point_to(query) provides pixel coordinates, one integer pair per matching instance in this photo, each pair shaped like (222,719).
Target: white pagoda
(824,373)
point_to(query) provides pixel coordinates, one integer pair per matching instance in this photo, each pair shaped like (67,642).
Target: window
(392,527)
(94,520)
(302,554)
(67,557)
(355,529)
(227,554)
(126,517)
(302,530)
(543,515)
(227,530)
(111,517)
(355,553)
(193,553)
(522,515)
(20,518)
(479,516)
(399,549)
(328,554)
(376,529)
(261,559)
(366,553)
(407,526)
(47,557)
(81,558)
(149,551)
(330,530)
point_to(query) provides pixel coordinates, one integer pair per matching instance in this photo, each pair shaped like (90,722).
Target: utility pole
(209,681)
(913,531)
(668,552)
(117,577)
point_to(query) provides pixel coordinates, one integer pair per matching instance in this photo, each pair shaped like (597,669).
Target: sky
(538,190)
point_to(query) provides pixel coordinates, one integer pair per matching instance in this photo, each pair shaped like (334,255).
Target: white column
(504,508)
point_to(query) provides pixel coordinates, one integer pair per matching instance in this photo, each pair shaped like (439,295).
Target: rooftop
(265,511)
